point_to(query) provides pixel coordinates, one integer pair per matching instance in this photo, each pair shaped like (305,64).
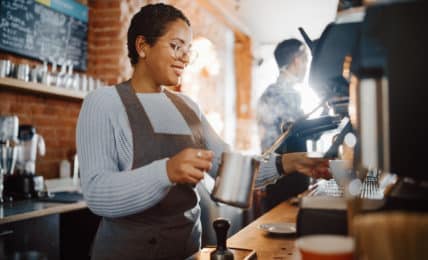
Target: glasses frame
(179,51)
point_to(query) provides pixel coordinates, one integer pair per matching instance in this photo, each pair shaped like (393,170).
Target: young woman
(142,149)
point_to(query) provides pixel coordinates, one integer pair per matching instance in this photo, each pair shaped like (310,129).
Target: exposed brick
(107,42)
(116,34)
(19,108)
(4,108)
(108,28)
(37,108)
(95,14)
(47,132)
(104,4)
(109,52)
(7,96)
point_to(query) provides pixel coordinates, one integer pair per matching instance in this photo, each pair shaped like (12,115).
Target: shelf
(21,85)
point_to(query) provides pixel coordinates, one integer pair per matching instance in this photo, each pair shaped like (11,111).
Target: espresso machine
(379,54)
(8,147)
(23,182)
(387,86)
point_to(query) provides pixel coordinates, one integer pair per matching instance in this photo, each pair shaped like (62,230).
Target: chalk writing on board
(31,29)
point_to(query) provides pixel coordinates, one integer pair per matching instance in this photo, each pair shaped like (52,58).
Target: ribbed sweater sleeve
(109,191)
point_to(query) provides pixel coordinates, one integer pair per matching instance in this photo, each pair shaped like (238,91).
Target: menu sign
(54,30)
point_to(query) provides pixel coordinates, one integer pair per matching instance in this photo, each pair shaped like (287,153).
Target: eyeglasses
(180,52)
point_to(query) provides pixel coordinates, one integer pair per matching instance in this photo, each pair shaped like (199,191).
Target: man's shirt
(279,103)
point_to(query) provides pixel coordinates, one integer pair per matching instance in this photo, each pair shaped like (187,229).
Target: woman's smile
(178,70)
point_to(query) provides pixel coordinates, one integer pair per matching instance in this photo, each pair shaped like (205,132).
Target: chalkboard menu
(32,29)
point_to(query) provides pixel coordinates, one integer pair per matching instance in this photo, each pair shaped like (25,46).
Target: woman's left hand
(300,162)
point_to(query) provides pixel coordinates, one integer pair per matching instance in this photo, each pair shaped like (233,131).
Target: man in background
(280,104)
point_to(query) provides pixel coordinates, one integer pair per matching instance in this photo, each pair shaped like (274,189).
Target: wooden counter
(265,245)
(27,209)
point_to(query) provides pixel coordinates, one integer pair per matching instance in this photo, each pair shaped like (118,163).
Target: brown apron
(160,232)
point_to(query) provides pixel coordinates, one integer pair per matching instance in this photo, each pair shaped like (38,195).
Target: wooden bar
(268,246)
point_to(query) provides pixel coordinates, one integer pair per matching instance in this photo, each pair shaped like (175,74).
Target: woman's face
(168,57)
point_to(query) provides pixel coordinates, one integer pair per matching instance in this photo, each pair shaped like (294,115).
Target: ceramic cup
(341,170)
(326,247)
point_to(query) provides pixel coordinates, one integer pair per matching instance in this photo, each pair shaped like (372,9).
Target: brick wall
(55,117)
(108,27)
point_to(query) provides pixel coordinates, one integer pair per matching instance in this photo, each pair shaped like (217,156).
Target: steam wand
(266,154)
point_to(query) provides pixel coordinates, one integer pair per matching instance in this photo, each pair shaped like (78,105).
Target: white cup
(341,170)
(326,247)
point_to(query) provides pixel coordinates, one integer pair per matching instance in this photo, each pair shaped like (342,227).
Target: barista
(280,103)
(142,148)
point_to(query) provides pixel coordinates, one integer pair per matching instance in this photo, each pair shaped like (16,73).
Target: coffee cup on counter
(326,247)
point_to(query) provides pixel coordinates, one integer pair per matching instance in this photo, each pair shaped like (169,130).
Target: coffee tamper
(221,226)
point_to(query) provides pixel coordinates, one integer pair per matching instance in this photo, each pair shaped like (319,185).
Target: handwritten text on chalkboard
(34,30)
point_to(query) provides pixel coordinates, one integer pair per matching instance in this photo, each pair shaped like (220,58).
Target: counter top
(26,209)
(266,246)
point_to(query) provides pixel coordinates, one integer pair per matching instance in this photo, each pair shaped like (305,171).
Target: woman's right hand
(188,165)
(300,162)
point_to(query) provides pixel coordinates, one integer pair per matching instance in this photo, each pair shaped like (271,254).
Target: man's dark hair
(285,51)
(151,22)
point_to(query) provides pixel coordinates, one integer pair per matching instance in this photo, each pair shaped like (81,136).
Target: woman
(143,148)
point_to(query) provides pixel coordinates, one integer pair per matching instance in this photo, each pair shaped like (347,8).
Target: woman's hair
(151,22)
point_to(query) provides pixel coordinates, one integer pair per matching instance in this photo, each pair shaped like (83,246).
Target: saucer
(279,228)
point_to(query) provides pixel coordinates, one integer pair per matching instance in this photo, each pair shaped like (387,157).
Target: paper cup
(326,247)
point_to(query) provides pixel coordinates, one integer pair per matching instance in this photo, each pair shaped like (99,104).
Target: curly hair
(151,22)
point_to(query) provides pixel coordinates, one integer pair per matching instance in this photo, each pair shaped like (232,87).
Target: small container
(64,169)
(23,72)
(5,68)
(326,247)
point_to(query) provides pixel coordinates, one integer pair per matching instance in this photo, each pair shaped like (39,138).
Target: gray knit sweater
(104,146)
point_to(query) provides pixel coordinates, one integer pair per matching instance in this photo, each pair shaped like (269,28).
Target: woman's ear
(140,46)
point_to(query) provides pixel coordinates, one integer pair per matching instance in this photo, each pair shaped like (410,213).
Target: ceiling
(270,21)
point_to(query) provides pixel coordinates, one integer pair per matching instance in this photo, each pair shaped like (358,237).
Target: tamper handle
(221,226)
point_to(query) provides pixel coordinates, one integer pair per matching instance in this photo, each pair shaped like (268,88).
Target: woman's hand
(188,166)
(312,167)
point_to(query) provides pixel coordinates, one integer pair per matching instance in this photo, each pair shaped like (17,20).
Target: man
(280,104)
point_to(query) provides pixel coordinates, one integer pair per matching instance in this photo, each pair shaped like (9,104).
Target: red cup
(326,247)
